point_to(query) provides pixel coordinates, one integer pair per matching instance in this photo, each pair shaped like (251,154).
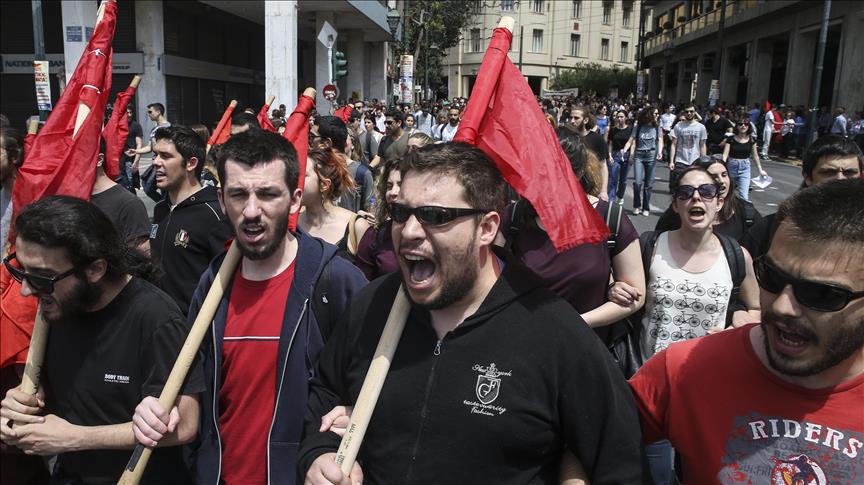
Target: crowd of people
(728,339)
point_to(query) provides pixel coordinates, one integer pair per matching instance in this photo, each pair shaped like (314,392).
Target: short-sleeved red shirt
(735,422)
(248,393)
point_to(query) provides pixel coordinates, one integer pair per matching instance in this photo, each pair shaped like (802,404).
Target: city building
(766,50)
(549,36)
(196,56)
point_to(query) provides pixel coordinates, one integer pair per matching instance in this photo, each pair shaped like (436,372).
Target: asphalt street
(787,179)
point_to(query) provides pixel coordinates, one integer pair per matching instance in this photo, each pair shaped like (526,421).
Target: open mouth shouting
(421,270)
(696,214)
(790,341)
(252,233)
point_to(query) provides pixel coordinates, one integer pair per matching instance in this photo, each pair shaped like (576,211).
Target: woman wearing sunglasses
(738,152)
(689,284)
(327,178)
(581,274)
(735,217)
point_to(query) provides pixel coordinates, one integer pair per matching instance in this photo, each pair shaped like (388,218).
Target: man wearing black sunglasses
(113,340)
(783,396)
(491,365)
(395,143)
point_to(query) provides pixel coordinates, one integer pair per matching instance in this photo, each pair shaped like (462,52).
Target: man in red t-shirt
(781,402)
(269,326)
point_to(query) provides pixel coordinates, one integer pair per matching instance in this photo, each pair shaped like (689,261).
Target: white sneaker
(646,212)
(636,212)
(620,201)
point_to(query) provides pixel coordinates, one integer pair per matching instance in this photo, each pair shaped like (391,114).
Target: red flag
(223,129)
(297,132)
(117,130)
(62,159)
(525,148)
(263,119)
(344,113)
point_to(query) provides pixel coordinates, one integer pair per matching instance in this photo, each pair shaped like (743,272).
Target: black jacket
(494,401)
(302,337)
(184,241)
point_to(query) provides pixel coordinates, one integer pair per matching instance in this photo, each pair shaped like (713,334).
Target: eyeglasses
(389,122)
(706,191)
(429,215)
(40,284)
(689,112)
(822,297)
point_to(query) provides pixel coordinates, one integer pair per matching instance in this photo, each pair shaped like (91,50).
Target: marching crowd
(722,347)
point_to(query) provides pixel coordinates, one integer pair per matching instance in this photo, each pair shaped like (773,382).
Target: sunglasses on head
(430,215)
(822,297)
(706,191)
(39,284)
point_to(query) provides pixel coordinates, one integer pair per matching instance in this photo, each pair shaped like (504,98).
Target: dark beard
(82,296)
(455,286)
(842,345)
(280,230)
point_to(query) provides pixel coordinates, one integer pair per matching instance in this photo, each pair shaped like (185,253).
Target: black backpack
(360,182)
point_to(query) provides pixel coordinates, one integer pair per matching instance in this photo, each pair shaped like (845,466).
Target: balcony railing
(699,23)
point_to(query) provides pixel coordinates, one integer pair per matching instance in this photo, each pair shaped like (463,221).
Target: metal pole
(426,69)
(817,72)
(521,44)
(719,60)
(39,41)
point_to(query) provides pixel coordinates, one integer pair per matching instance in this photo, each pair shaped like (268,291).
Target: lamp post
(393,20)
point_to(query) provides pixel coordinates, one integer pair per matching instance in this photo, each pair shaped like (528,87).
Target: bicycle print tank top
(681,305)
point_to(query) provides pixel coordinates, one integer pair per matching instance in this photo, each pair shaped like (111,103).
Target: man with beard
(688,142)
(395,143)
(188,228)
(449,130)
(270,325)
(735,403)
(494,376)
(113,340)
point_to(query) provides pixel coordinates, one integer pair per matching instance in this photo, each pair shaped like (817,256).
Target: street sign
(327,35)
(43,85)
(330,92)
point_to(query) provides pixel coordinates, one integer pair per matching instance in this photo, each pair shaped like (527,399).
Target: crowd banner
(223,129)
(263,118)
(117,130)
(297,132)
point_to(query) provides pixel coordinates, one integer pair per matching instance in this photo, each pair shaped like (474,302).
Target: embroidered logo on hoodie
(182,238)
(487,389)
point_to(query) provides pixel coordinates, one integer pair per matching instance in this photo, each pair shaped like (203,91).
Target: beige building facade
(549,36)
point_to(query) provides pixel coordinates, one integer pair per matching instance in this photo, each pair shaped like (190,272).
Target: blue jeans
(618,175)
(643,182)
(739,172)
(659,456)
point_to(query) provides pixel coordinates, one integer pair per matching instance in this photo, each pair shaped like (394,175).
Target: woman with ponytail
(327,178)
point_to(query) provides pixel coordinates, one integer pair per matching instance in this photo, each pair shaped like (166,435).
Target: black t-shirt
(134,130)
(594,141)
(99,366)
(740,150)
(717,130)
(619,137)
(126,211)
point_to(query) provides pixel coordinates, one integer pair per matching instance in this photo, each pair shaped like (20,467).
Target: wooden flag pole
(372,384)
(270,100)
(135,468)
(33,127)
(135,82)
(35,355)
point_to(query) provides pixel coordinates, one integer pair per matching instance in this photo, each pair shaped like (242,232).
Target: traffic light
(340,65)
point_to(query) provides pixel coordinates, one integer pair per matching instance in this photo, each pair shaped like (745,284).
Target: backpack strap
(738,269)
(517,213)
(353,240)
(320,301)
(749,214)
(648,243)
(613,220)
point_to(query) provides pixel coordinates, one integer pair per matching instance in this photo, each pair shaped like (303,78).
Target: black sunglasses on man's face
(429,215)
(43,285)
(822,297)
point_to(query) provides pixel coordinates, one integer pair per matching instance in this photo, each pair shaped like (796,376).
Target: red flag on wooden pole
(263,118)
(525,148)
(297,132)
(62,159)
(223,129)
(117,130)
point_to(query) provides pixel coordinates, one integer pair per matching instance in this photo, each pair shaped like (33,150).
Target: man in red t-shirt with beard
(782,399)
(266,333)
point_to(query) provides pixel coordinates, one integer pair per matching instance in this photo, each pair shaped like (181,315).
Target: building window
(537,6)
(475,45)
(625,52)
(604,49)
(537,41)
(507,5)
(478,7)
(607,13)
(577,9)
(575,40)
(626,18)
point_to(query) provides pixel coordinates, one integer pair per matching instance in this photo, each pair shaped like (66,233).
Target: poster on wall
(406,79)
(43,85)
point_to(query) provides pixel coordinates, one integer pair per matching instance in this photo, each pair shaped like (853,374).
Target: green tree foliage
(594,78)
(442,21)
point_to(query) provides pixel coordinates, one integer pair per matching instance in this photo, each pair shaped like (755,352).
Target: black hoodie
(494,401)
(184,240)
